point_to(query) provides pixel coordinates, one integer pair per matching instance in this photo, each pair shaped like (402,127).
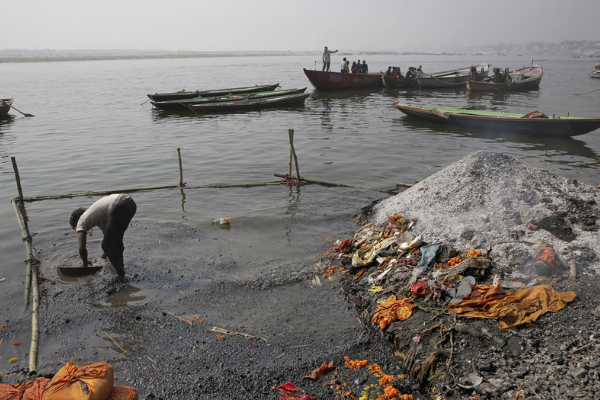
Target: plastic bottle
(221,221)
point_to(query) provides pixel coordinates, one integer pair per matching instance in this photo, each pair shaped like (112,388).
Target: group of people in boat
(411,73)
(356,68)
(500,76)
(479,76)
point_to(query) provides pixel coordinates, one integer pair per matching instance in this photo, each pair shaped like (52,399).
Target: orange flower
(390,392)
(355,364)
(386,379)
(330,271)
(473,253)
(454,261)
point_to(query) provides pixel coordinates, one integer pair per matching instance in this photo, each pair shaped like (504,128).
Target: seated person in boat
(389,72)
(501,77)
(397,73)
(412,73)
(343,66)
(420,70)
(353,68)
(476,76)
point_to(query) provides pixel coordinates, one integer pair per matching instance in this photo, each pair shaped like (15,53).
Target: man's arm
(82,236)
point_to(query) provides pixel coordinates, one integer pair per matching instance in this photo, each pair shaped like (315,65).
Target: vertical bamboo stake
(31,283)
(180,167)
(18,179)
(35,330)
(293,152)
(291,138)
(26,237)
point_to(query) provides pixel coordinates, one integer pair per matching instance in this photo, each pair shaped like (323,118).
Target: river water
(94,130)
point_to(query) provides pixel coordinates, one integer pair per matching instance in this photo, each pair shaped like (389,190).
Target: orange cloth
(92,382)
(548,255)
(392,310)
(31,390)
(516,308)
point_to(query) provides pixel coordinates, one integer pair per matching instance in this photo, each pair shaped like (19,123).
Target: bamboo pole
(181,184)
(291,136)
(107,192)
(323,183)
(17,178)
(26,238)
(35,330)
(31,285)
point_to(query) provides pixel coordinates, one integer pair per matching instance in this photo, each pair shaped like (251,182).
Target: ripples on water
(94,130)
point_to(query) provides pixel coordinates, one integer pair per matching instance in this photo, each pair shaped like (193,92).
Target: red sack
(91,382)
(31,390)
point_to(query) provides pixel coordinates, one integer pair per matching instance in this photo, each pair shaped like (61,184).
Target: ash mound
(490,199)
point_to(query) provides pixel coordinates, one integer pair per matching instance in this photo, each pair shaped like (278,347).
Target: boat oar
(25,114)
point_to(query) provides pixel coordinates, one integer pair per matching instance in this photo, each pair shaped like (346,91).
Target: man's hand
(82,249)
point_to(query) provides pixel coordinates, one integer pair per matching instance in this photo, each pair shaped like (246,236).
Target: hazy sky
(301,25)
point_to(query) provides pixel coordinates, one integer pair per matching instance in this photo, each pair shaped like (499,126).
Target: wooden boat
(5,105)
(211,93)
(452,78)
(184,103)
(525,78)
(515,123)
(329,80)
(268,102)
(595,72)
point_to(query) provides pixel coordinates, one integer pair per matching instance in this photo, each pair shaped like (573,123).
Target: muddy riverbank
(156,327)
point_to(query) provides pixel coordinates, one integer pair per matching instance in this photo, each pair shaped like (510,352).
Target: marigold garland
(355,364)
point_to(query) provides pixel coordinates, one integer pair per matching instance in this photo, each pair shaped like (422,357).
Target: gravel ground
(156,331)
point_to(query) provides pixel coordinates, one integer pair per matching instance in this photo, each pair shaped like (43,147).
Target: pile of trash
(392,271)
(423,289)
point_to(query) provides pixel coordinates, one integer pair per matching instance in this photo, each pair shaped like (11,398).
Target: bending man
(112,215)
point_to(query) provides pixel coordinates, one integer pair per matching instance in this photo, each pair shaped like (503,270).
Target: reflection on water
(5,121)
(121,297)
(292,208)
(508,101)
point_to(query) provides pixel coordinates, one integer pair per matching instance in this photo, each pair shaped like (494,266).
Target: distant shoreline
(139,55)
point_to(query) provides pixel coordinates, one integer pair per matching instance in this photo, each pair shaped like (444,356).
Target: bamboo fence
(31,280)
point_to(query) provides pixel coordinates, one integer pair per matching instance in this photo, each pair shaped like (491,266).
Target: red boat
(327,80)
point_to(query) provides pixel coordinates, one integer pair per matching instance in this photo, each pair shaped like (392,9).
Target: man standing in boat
(112,215)
(327,58)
